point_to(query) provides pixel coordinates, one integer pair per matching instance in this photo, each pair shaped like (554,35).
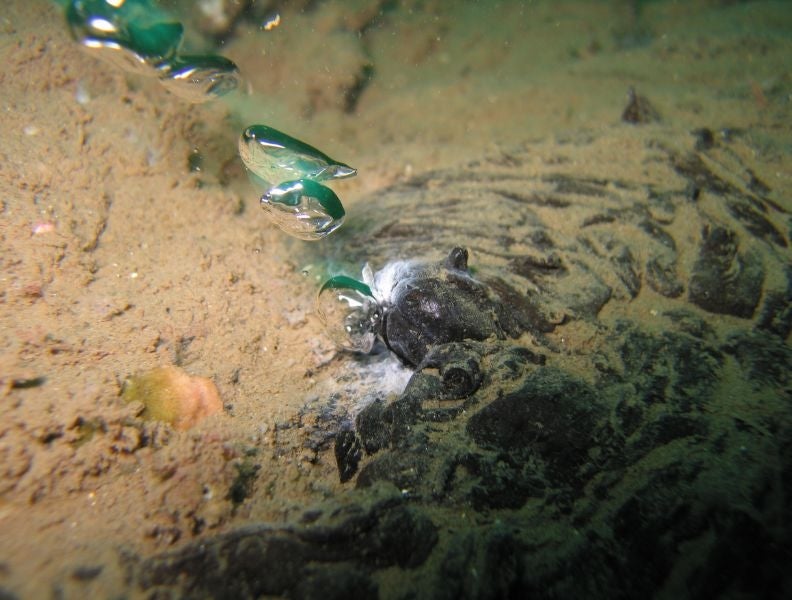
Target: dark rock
(26,383)
(502,482)
(501,567)
(86,573)
(553,416)
(648,528)
(583,186)
(755,559)
(533,199)
(335,582)
(399,424)
(512,362)
(630,416)
(766,359)
(353,93)
(671,368)
(403,537)
(690,323)
(757,185)
(692,192)
(533,267)
(639,110)
(457,259)
(587,299)
(662,430)
(724,280)
(776,315)
(658,233)
(693,168)
(662,277)
(459,368)
(348,453)
(598,220)
(756,223)
(373,431)
(705,139)
(378,425)
(403,468)
(242,486)
(263,560)
(401,414)
(482,567)
(621,262)
(455,580)
(520,312)
(541,240)
(626,269)
(436,305)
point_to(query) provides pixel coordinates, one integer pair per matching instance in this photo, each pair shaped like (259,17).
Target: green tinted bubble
(199,78)
(274,157)
(291,169)
(304,208)
(349,313)
(132,34)
(341,282)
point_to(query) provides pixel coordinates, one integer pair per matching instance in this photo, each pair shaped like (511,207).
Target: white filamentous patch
(387,376)
(374,377)
(381,379)
(384,281)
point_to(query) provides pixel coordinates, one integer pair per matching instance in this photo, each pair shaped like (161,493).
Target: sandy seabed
(116,257)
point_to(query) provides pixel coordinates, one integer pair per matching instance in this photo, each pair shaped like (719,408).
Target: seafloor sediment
(629,433)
